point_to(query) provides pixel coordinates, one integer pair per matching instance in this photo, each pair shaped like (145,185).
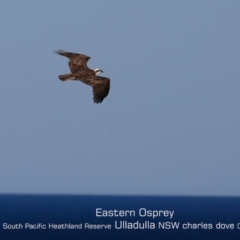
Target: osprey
(80,71)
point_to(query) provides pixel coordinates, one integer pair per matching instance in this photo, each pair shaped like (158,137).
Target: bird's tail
(66,77)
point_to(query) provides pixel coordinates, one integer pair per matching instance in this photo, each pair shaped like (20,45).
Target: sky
(170,124)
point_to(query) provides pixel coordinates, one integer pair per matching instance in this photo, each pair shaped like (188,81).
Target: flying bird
(80,71)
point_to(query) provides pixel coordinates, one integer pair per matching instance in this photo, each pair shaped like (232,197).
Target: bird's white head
(97,71)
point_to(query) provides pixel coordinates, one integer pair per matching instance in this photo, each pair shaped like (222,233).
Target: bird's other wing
(101,87)
(77,62)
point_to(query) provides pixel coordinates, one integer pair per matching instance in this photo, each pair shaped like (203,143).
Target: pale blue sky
(170,125)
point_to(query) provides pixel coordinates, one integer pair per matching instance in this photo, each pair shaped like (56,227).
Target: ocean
(75,217)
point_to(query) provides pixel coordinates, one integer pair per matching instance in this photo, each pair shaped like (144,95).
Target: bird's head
(97,71)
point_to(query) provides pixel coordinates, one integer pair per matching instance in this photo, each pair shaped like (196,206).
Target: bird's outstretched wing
(77,62)
(101,87)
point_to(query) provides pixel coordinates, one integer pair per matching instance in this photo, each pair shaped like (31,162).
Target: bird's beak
(101,70)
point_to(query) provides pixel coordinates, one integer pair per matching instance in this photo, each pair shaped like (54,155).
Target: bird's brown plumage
(80,71)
